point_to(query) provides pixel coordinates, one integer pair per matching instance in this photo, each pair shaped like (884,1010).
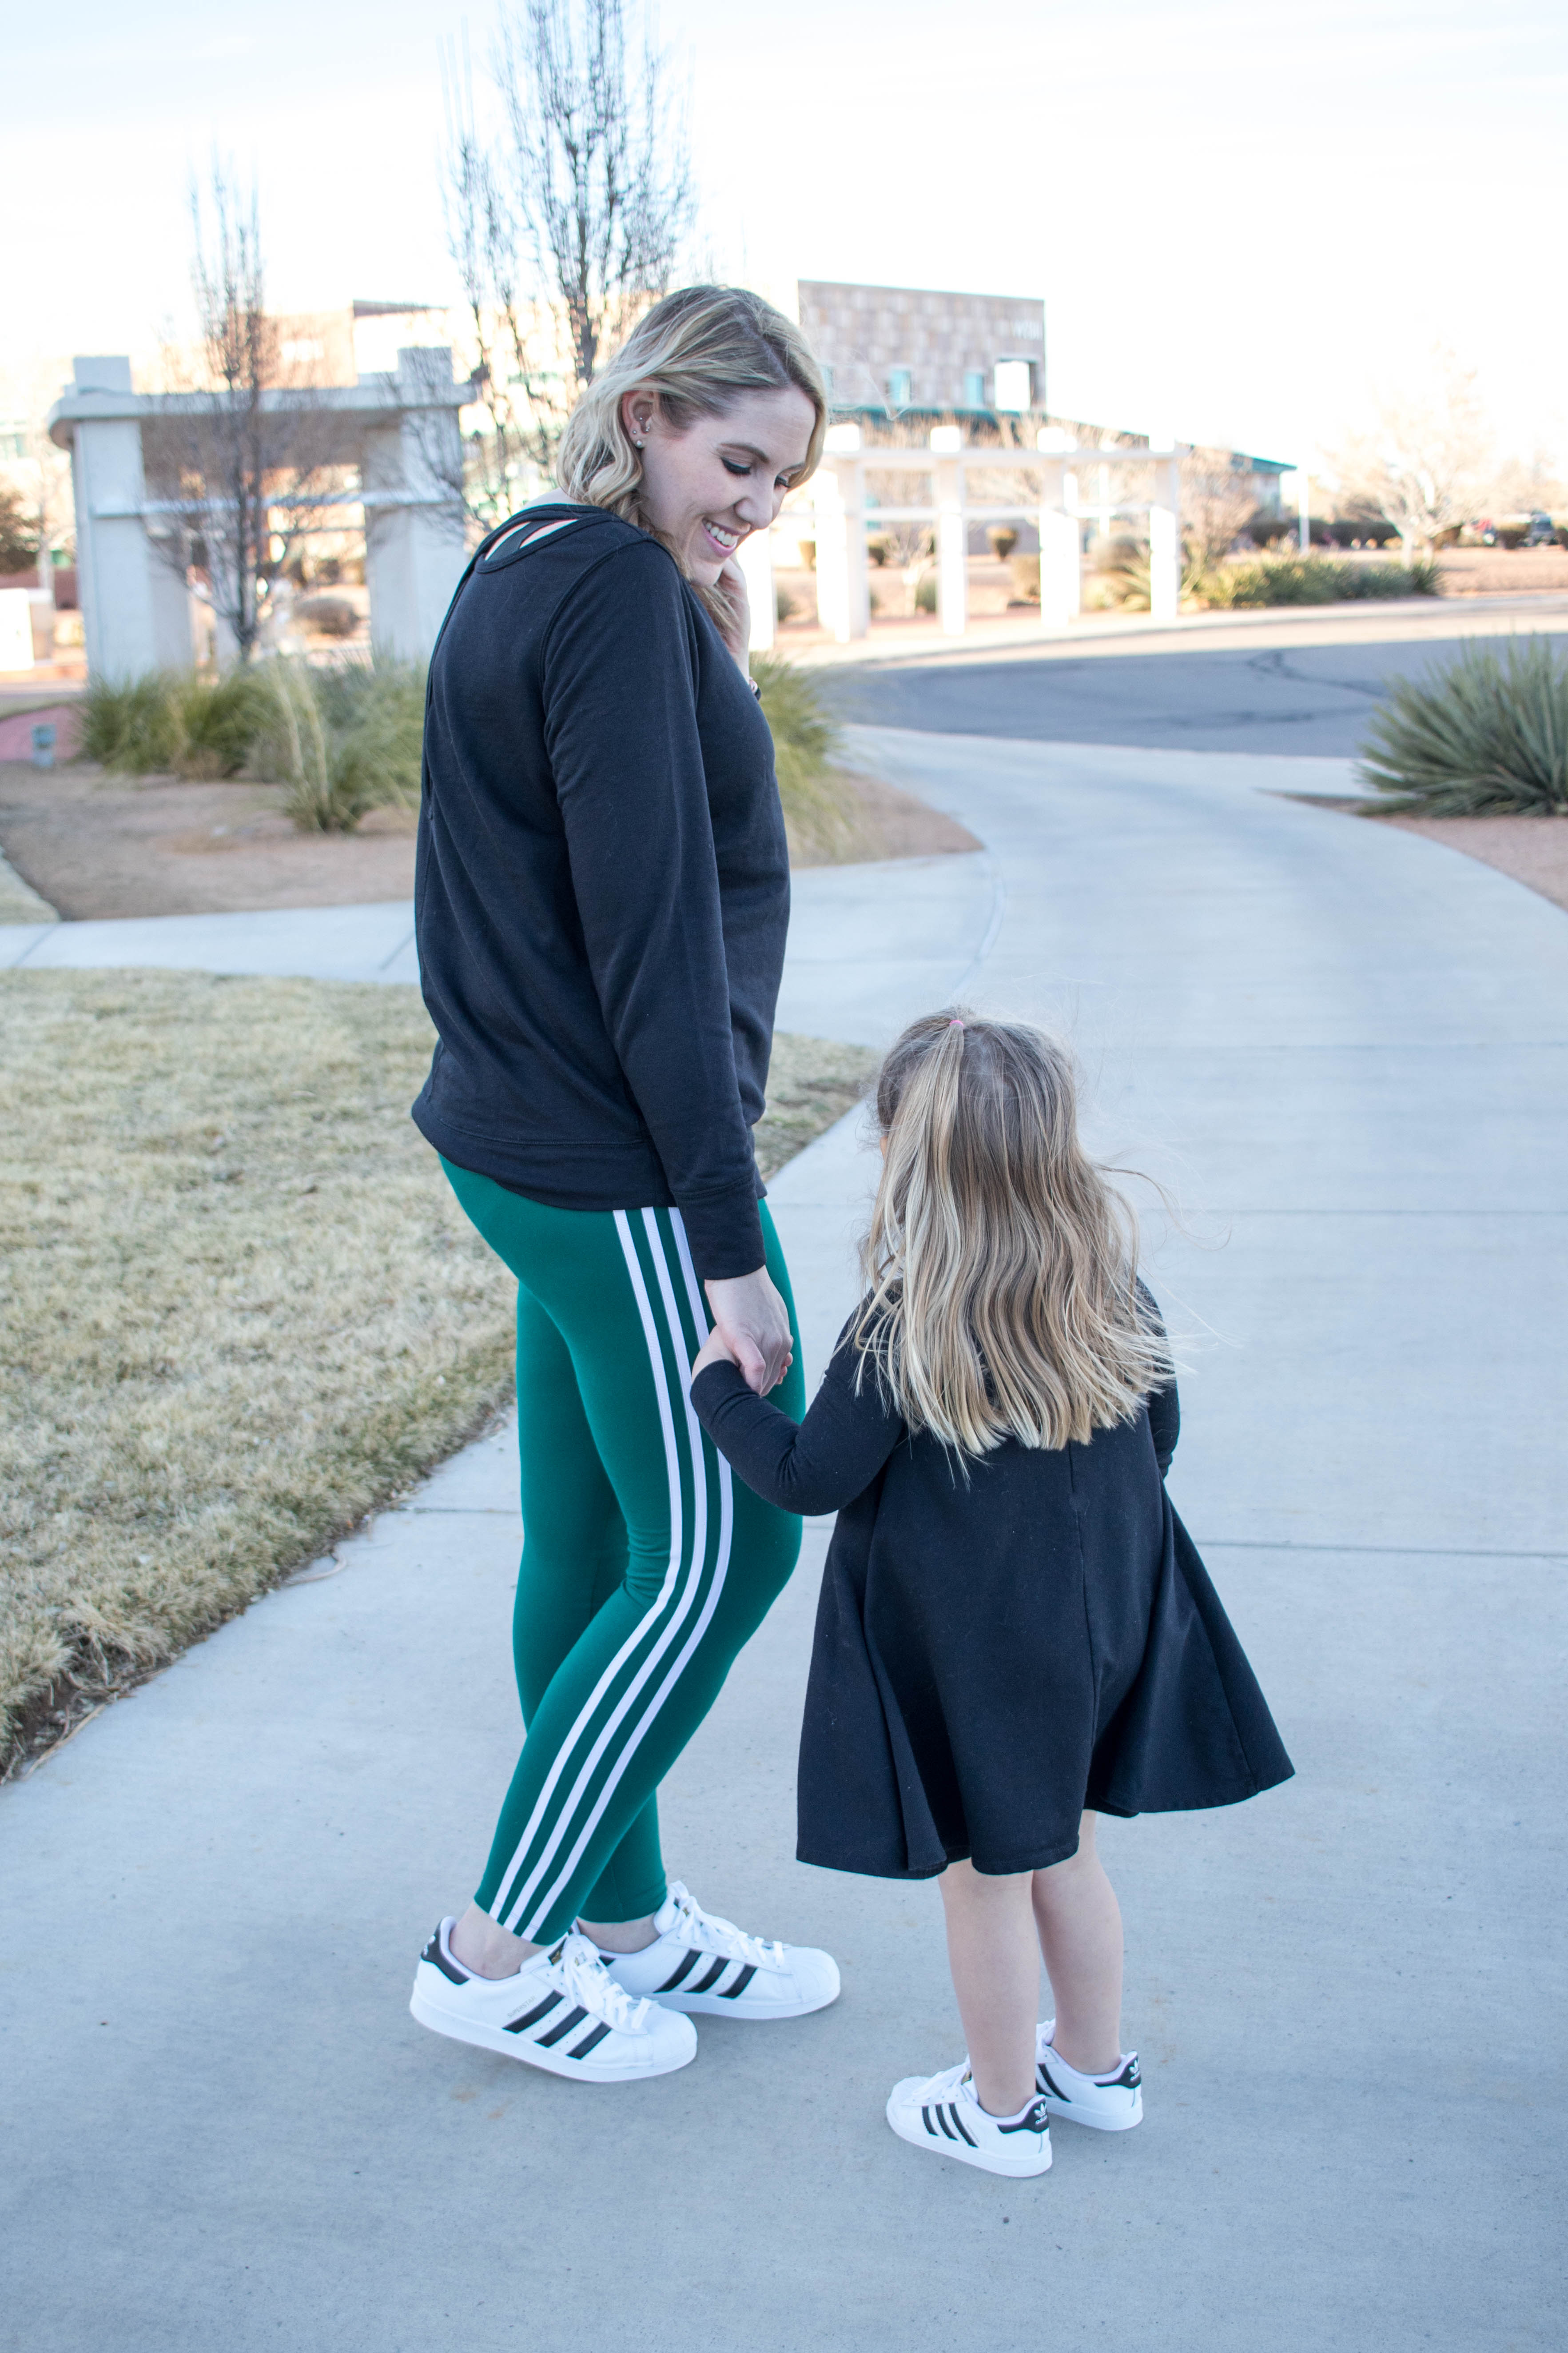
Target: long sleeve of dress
(816,1466)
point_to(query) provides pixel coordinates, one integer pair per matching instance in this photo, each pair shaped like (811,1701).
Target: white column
(951,530)
(135,610)
(414,546)
(1061,557)
(1165,542)
(843,586)
(756,562)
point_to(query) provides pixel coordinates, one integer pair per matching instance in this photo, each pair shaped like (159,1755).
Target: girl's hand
(715,1350)
(737,635)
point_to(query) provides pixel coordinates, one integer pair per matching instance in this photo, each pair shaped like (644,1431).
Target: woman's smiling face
(705,489)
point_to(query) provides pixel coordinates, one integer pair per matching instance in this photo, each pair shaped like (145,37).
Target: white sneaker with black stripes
(942,2114)
(561,2012)
(699,1962)
(1109,2102)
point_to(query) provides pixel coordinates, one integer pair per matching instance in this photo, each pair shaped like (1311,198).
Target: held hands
(750,1330)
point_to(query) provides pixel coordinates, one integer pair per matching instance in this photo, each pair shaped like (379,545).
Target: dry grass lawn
(238,1306)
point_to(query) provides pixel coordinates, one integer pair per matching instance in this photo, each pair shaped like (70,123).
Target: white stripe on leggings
(680,1582)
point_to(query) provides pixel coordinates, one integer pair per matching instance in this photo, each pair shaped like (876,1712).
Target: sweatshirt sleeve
(620,698)
(816,1466)
(1164,1405)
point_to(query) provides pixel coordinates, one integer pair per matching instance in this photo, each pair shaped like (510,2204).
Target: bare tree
(1424,462)
(567,224)
(1219,499)
(239,466)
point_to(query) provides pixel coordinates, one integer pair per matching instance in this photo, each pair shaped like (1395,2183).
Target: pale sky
(1239,217)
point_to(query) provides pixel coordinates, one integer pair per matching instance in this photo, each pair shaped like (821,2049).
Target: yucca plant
(1482,734)
(805,745)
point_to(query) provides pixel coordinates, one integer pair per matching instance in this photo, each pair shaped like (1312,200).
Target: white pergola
(397,432)
(839,518)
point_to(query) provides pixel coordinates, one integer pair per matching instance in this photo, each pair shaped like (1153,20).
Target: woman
(603,893)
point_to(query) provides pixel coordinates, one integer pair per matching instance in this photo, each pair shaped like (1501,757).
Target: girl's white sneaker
(561,2012)
(1111,2103)
(940,2113)
(699,1962)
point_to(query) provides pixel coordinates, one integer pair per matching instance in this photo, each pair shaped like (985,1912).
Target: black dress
(1001,1641)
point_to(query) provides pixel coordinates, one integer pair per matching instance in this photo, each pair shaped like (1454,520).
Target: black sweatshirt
(835,1454)
(602,890)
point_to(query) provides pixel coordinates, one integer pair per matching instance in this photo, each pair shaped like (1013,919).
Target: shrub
(806,744)
(1003,540)
(880,547)
(1308,580)
(784,604)
(925,593)
(1267,529)
(1480,735)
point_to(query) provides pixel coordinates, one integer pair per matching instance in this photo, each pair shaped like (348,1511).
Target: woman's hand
(752,1322)
(715,1350)
(738,635)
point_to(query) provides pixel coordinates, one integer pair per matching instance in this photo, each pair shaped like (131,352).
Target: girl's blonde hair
(700,350)
(1002,1298)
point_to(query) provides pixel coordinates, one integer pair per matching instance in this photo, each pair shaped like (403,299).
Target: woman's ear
(639,407)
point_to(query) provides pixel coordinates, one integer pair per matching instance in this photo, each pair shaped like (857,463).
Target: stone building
(896,347)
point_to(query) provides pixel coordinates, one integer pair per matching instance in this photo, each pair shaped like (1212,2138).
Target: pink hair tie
(955,1023)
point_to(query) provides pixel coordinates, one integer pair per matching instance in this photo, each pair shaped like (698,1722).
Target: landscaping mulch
(239,1308)
(1534,850)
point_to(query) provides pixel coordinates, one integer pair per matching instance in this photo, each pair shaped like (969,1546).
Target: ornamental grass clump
(805,746)
(1481,736)
(168,723)
(343,742)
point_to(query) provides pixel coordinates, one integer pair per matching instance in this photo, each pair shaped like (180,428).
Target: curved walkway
(1347,1047)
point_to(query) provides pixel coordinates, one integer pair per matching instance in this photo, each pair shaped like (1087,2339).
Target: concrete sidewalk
(868,934)
(1346,1047)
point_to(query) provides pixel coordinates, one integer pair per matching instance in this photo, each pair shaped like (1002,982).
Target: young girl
(1015,1632)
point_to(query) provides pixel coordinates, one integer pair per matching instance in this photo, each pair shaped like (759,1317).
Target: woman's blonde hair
(1002,1298)
(700,350)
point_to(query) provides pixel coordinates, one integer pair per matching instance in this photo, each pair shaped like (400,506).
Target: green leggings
(646,1565)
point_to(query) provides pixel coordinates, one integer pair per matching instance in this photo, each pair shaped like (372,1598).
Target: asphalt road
(1306,699)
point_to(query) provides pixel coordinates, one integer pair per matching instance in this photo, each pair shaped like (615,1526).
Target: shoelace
(590,1982)
(715,1935)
